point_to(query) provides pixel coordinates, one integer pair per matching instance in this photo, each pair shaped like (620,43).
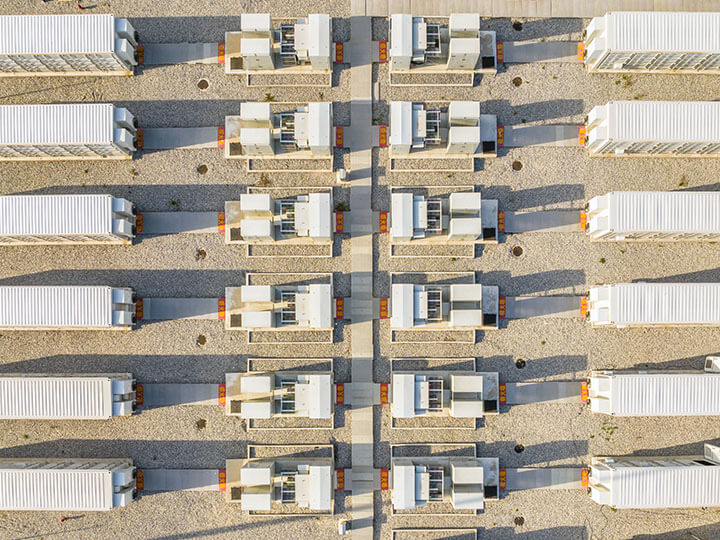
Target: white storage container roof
(55,214)
(402,305)
(403,395)
(55,489)
(77,123)
(662,32)
(664,487)
(664,121)
(57,34)
(63,306)
(320,213)
(88,398)
(403,486)
(665,303)
(664,211)
(664,394)
(320,487)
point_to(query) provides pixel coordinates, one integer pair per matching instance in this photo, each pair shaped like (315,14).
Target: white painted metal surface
(644,215)
(655,394)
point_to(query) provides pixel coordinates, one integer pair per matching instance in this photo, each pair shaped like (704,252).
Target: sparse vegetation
(269,98)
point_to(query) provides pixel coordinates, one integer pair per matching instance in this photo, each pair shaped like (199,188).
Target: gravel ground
(558,435)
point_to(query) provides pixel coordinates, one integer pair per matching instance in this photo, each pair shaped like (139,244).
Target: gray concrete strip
(166,395)
(524,52)
(176,138)
(180,53)
(543,392)
(530,307)
(179,308)
(543,221)
(181,480)
(545,135)
(545,478)
(179,222)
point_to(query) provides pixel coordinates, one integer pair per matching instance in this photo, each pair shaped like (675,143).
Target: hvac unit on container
(66,308)
(66,219)
(67,45)
(654,216)
(653,42)
(66,484)
(655,304)
(654,128)
(423,48)
(73,131)
(66,397)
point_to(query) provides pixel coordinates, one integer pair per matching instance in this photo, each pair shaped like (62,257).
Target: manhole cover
(203,84)
(517,251)
(201,340)
(519,521)
(520,364)
(519,448)
(201,423)
(200,255)
(202,169)
(517,25)
(517,81)
(516,165)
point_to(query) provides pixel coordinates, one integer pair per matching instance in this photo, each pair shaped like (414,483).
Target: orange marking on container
(340,393)
(339,49)
(139,479)
(339,222)
(503,393)
(503,479)
(382,51)
(383,308)
(339,136)
(499,51)
(340,478)
(382,137)
(139,394)
(221,137)
(139,309)
(585,477)
(502,303)
(141,54)
(384,394)
(222,479)
(138,223)
(501,221)
(339,308)
(139,139)
(581,135)
(581,51)
(583,220)
(501,135)
(221,308)
(221,53)
(384,479)
(221,394)
(584,394)
(383,222)
(221,222)
(583,306)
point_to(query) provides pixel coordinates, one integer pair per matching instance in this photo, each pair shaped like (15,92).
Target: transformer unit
(66,397)
(653,42)
(664,128)
(257,218)
(657,481)
(458,129)
(647,216)
(67,45)
(66,308)
(459,46)
(76,485)
(66,219)
(655,304)
(75,131)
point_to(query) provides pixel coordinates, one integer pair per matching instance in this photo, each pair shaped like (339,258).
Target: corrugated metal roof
(665,487)
(55,214)
(53,489)
(56,397)
(665,303)
(57,34)
(63,306)
(670,211)
(665,394)
(77,123)
(663,32)
(664,121)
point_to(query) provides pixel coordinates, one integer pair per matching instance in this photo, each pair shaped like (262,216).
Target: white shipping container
(66,45)
(66,397)
(644,215)
(66,308)
(66,484)
(655,393)
(663,128)
(66,219)
(68,131)
(655,304)
(654,42)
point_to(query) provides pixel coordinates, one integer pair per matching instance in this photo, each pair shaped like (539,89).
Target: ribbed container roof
(86,398)
(55,214)
(63,306)
(57,34)
(663,31)
(77,123)
(665,211)
(665,303)
(664,121)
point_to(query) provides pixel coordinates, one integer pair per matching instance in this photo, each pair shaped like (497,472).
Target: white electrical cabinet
(654,42)
(662,128)
(66,308)
(67,484)
(66,219)
(67,45)
(72,131)
(66,397)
